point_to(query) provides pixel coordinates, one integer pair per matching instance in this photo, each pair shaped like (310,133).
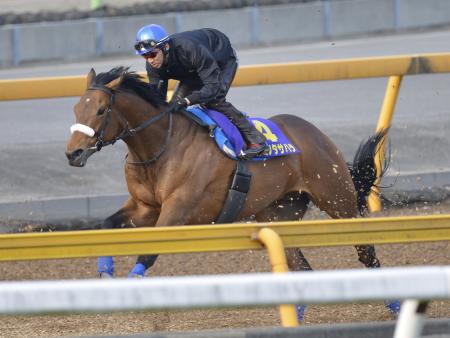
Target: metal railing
(264,74)
(274,236)
(261,289)
(208,238)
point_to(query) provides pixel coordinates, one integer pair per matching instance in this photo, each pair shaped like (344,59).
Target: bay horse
(176,175)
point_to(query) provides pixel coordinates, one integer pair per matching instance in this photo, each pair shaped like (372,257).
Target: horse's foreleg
(172,213)
(143,263)
(143,216)
(130,215)
(179,209)
(105,265)
(148,216)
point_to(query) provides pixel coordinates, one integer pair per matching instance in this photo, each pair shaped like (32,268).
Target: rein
(127,132)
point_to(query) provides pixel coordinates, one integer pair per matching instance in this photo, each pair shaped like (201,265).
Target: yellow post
(384,121)
(272,241)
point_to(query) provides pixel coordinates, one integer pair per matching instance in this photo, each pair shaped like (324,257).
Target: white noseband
(82,128)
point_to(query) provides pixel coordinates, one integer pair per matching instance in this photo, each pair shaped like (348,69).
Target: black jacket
(195,58)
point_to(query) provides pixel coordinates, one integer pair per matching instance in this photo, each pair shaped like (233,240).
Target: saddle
(229,139)
(231,143)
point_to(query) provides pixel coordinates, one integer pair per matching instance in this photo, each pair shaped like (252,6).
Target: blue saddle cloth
(230,141)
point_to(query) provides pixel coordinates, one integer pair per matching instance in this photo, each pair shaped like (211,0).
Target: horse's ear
(90,77)
(114,84)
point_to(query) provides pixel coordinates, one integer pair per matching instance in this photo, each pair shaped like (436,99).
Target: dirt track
(437,253)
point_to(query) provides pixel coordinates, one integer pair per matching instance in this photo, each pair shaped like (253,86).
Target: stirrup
(253,152)
(212,130)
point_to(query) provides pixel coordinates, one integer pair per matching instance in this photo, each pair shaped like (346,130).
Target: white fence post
(411,320)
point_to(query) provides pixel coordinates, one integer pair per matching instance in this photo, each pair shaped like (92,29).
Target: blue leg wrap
(106,265)
(137,271)
(300,312)
(393,306)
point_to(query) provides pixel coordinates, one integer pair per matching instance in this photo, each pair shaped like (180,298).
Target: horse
(176,175)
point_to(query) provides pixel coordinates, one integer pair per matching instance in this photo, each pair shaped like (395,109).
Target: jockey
(205,64)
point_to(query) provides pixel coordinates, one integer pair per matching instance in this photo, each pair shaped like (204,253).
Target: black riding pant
(220,104)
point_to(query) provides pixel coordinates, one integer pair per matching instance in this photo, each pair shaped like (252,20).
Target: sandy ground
(437,253)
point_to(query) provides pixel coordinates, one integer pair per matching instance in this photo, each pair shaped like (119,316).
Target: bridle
(127,131)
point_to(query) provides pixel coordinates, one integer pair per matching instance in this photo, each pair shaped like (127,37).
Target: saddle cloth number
(275,146)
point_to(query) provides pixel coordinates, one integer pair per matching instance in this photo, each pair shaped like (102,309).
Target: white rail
(415,285)
(421,283)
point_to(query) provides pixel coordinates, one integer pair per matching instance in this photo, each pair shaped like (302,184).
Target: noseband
(127,131)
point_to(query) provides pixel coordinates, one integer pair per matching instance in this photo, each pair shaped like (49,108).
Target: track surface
(437,253)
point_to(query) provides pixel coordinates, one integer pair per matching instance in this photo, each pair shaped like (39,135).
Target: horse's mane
(131,82)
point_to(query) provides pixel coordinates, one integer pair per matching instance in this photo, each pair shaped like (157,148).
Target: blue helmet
(149,37)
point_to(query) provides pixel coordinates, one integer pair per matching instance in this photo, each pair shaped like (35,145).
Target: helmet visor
(143,47)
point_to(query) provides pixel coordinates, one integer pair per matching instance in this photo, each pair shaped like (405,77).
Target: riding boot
(256,142)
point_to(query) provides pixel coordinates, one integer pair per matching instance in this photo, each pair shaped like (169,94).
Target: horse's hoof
(300,309)
(105,275)
(138,271)
(134,275)
(393,306)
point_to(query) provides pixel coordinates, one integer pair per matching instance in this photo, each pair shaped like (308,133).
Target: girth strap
(237,193)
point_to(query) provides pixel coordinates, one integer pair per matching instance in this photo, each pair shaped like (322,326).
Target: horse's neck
(151,141)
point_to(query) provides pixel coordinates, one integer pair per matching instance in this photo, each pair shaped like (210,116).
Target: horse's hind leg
(343,205)
(366,253)
(367,256)
(292,206)
(296,260)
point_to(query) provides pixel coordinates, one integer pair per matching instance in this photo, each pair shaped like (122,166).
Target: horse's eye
(101,111)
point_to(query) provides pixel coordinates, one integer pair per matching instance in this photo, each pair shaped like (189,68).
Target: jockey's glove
(178,104)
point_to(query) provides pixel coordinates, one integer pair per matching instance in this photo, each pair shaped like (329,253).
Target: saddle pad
(230,141)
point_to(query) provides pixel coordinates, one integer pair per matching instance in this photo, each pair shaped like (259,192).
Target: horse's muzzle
(78,157)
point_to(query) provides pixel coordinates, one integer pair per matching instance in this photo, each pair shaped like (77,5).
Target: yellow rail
(222,237)
(18,89)
(343,69)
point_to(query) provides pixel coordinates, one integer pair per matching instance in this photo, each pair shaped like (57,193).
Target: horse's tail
(363,170)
